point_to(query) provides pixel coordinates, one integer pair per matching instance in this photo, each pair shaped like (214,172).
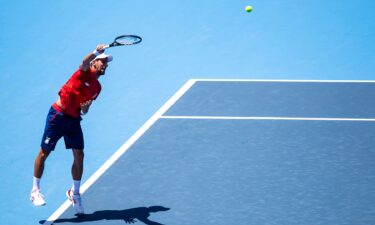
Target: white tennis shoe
(76,201)
(37,198)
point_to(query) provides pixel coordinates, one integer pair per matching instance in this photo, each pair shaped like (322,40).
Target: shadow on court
(127,215)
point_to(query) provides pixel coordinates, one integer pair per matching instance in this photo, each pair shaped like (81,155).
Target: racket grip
(106,46)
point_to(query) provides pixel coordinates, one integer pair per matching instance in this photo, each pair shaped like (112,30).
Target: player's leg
(36,197)
(74,140)
(77,170)
(52,133)
(39,166)
(77,167)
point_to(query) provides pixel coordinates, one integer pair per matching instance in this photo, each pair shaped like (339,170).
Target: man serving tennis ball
(63,120)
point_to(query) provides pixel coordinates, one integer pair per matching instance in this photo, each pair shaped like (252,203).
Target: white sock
(36,183)
(76,185)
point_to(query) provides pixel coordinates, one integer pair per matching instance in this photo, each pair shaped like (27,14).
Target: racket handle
(106,46)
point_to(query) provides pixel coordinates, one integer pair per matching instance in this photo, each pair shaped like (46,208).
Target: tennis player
(63,120)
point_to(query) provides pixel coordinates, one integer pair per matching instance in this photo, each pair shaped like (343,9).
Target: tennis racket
(124,40)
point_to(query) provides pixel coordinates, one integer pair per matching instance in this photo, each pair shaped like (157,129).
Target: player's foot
(76,201)
(37,198)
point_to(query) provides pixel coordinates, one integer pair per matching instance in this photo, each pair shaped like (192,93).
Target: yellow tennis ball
(249,8)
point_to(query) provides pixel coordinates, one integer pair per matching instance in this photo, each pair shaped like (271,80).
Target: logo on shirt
(87,84)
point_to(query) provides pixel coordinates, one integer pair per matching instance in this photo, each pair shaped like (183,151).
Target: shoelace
(39,194)
(74,198)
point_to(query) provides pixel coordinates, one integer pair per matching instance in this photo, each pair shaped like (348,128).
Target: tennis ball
(249,8)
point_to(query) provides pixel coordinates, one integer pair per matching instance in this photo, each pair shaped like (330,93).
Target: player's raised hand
(100,48)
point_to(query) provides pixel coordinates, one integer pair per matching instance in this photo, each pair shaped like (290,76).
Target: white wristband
(96,53)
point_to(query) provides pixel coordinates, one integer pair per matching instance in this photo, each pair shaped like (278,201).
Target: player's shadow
(127,215)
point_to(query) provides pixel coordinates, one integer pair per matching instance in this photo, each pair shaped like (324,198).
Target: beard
(102,72)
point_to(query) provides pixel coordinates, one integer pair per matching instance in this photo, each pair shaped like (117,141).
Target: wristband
(96,53)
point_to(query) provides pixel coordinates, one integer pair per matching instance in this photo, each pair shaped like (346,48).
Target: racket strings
(128,40)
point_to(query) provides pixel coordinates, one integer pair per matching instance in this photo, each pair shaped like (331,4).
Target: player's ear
(93,64)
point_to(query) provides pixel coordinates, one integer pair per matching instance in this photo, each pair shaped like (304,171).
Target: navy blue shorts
(59,125)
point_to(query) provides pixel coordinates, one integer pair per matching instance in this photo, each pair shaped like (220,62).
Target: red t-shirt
(81,87)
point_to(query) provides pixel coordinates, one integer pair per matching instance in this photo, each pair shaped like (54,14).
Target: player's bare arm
(88,58)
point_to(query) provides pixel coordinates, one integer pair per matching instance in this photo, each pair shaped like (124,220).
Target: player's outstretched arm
(88,58)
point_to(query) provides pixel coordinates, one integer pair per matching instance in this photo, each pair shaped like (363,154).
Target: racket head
(127,40)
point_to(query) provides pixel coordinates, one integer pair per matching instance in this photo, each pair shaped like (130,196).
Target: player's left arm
(88,58)
(85,106)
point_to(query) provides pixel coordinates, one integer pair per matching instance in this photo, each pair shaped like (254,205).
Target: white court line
(122,149)
(266,118)
(286,81)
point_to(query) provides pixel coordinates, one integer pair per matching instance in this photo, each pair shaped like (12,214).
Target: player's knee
(43,154)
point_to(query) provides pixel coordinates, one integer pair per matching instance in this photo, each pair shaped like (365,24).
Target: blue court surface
(244,152)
